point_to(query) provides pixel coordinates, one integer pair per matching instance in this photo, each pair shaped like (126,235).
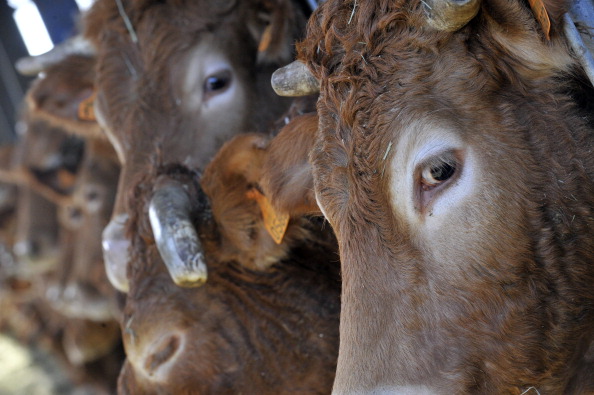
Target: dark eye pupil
(215,83)
(443,171)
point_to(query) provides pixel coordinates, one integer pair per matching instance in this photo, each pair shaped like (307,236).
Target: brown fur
(57,93)
(492,295)
(266,320)
(141,86)
(92,203)
(45,162)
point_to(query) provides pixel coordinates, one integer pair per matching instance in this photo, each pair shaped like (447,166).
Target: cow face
(45,163)
(276,302)
(440,164)
(84,291)
(179,95)
(62,89)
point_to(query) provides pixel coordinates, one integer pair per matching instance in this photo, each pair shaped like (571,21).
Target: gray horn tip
(293,80)
(192,274)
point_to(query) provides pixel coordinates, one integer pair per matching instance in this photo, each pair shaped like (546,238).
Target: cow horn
(77,45)
(175,235)
(294,80)
(450,15)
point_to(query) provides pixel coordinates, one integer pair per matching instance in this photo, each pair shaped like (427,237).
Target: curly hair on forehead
(355,49)
(340,27)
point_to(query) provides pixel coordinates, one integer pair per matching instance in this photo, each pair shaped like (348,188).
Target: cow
(265,322)
(84,290)
(176,79)
(59,94)
(44,165)
(454,159)
(63,95)
(74,162)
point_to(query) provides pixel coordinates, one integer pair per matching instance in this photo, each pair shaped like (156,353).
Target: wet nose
(154,355)
(162,353)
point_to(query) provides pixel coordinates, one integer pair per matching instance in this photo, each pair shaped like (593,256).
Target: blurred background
(29,27)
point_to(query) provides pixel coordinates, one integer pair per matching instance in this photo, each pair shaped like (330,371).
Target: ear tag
(66,179)
(266,39)
(542,16)
(275,223)
(86,109)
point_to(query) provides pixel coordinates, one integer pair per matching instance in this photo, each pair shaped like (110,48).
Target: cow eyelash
(217,82)
(438,170)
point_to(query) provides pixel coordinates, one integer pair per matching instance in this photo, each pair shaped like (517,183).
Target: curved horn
(115,252)
(77,45)
(294,80)
(175,236)
(450,15)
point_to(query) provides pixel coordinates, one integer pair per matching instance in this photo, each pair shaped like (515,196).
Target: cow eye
(217,82)
(93,198)
(74,216)
(438,171)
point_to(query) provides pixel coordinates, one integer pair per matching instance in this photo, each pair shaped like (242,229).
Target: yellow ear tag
(542,16)
(275,223)
(86,110)
(266,39)
(66,179)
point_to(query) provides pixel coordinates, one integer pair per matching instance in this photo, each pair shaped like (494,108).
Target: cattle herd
(301,197)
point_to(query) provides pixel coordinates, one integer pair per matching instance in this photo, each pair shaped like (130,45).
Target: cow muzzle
(175,236)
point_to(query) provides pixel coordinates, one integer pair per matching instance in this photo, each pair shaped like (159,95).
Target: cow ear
(287,178)
(276,27)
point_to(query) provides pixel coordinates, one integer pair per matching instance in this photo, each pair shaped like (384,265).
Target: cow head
(62,91)
(83,291)
(45,163)
(205,332)
(445,160)
(180,78)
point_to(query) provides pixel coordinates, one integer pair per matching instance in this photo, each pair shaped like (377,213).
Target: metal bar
(582,12)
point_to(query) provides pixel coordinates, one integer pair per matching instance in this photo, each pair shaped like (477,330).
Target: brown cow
(265,322)
(455,163)
(57,93)
(63,95)
(178,78)
(76,285)
(84,291)
(45,163)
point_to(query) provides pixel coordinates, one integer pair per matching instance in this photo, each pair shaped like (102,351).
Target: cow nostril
(162,354)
